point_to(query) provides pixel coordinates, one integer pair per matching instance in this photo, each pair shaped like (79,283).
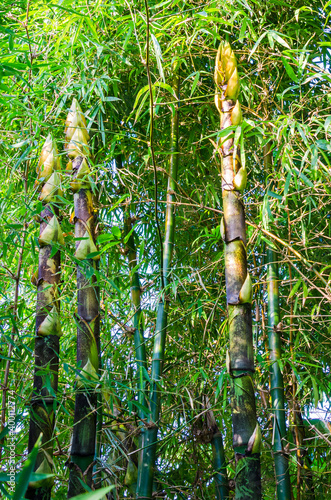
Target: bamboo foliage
(48,327)
(246,432)
(84,432)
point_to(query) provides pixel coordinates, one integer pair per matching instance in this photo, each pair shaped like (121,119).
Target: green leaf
(111,99)
(158,55)
(257,43)
(295,288)
(95,495)
(24,477)
(289,70)
(304,178)
(315,392)
(77,13)
(275,195)
(195,82)
(116,232)
(279,39)
(327,124)
(323,144)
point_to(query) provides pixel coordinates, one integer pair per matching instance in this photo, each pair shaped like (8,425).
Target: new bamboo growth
(84,432)
(48,327)
(246,432)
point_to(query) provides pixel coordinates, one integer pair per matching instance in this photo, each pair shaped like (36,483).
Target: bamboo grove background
(96,52)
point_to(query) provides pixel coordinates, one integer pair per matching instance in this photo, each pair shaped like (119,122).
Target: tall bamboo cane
(85,417)
(139,341)
(283,483)
(149,433)
(48,328)
(246,431)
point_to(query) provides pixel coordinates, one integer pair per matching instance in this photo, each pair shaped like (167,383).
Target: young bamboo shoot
(84,431)
(48,327)
(246,434)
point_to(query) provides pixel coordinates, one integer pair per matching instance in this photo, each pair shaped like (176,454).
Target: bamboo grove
(164,250)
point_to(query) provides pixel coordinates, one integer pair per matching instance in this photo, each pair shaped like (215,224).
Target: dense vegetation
(134,67)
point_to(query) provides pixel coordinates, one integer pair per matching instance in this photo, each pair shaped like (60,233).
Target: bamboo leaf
(289,70)
(195,82)
(295,288)
(315,392)
(257,43)
(279,39)
(95,495)
(158,55)
(25,475)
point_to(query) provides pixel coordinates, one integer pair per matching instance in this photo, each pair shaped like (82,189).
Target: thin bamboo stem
(283,482)
(149,433)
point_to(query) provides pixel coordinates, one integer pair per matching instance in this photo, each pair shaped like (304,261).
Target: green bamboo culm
(219,461)
(219,465)
(283,482)
(240,363)
(139,341)
(85,418)
(149,431)
(48,327)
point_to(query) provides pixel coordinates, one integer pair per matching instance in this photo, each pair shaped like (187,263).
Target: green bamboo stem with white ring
(283,482)
(83,444)
(240,359)
(48,328)
(149,431)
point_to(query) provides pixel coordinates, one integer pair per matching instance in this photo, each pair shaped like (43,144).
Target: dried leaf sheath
(85,417)
(48,328)
(246,434)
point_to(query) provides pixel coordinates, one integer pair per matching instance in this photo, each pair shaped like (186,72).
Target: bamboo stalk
(139,341)
(283,482)
(87,318)
(219,461)
(48,328)
(149,432)
(246,431)
(219,465)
